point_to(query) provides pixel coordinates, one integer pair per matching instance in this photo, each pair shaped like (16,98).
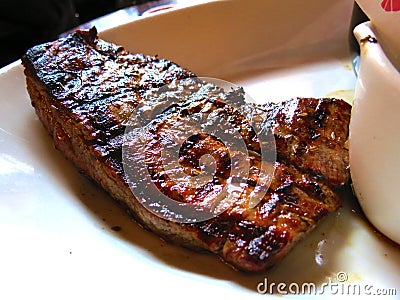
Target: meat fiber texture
(85,91)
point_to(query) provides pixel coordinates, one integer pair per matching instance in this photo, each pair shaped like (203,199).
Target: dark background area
(25,23)
(91,9)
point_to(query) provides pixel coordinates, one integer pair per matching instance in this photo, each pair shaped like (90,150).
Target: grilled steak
(84,91)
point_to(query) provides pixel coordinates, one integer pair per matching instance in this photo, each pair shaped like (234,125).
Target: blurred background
(25,23)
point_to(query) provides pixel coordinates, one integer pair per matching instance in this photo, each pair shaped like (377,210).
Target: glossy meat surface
(85,91)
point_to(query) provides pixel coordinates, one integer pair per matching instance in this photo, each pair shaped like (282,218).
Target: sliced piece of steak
(85,90)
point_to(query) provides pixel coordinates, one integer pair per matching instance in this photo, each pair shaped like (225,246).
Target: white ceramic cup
(375,135)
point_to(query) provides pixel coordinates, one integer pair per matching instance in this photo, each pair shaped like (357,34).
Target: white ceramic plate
(56,234)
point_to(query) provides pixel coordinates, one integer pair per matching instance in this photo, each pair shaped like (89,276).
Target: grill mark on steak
(84,90)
